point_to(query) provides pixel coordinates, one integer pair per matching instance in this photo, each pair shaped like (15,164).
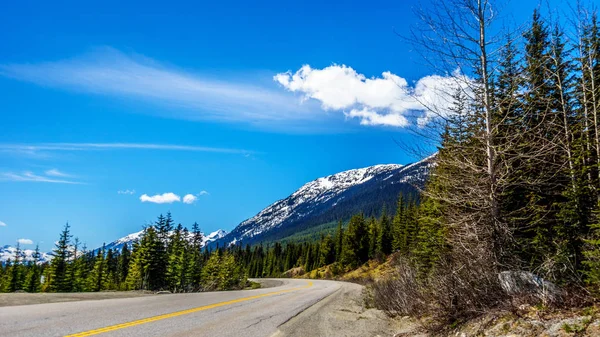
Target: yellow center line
(180,313)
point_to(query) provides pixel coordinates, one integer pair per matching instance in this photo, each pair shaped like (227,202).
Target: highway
(258,312)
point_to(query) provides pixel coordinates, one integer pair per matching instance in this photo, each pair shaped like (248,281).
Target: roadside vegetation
(167,257)
(509,218)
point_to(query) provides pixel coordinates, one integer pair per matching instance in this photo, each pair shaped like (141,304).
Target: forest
(171,257)
(510,214)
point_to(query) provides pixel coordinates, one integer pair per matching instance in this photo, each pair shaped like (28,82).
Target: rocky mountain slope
(331,198)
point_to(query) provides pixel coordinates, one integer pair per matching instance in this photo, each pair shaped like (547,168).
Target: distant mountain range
(117,245)
(323,200)
(331,198)
(8,252)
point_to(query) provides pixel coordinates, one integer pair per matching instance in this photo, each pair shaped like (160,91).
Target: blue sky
(233,103)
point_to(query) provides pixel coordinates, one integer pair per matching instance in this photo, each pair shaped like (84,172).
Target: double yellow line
(180,313)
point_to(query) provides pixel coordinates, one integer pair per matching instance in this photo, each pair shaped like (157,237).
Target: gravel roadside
(343,313)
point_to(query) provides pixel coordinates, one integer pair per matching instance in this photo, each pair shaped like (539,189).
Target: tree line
(516,187)
(165,257)
(170,257)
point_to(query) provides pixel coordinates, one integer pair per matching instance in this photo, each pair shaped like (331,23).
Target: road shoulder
(342,313)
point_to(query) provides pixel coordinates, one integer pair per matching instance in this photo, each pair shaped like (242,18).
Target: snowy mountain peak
(9,252)
(214,236)
(339,182)
(321,195)
(129,239)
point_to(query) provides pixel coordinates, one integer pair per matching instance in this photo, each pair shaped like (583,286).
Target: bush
(450,293)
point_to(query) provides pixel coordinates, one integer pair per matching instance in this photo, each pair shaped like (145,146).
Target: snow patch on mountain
(128,240)
(9,252)
(303,202)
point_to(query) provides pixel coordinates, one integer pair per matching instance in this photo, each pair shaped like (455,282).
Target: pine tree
(16,272)
(196,256)
(385,237)
(59,267)
(176,267)
(356,242)
(98,276)
(123,265)
(374,235)
(33,281)
(327,251)
(339,240)
(398,225)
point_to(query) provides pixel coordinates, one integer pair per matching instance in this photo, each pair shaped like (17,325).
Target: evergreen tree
(123,265)
(374,235)
(59,267)
(327,251)
(98,276)
(339,240)
(34,274)
(16,272)
(355,250)
(385,237)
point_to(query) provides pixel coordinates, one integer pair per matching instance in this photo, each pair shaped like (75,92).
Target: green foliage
(221,272)
(59,267)
(355,250)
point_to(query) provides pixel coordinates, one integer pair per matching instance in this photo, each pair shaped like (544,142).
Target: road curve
(256,312)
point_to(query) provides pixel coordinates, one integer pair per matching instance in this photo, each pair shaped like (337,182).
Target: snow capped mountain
(218,234)
(333,197)
(118,244)
(9,252)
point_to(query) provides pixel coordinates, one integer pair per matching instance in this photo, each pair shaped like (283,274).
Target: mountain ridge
(8,252)
(318,201)
(322,200)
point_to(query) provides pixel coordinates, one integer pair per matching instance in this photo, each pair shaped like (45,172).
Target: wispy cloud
(29,176)
(130,192)
(55,147)
(165,198)
(107,71)
(2,224)
(25,241)
(57,173)
(203,193)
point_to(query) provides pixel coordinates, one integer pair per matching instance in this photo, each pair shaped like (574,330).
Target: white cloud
(2,224)
(56,173)
(25,241)
(370,117)
(28,176)
(165,198)
(130,192)
(203,193)
(384,100)
(189,96)
(189,199)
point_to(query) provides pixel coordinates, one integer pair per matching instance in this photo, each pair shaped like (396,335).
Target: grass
(253,285)
(573,328)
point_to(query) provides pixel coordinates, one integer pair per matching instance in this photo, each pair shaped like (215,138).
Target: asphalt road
(258,312)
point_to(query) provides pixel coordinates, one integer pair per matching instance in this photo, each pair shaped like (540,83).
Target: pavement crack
(260,321)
